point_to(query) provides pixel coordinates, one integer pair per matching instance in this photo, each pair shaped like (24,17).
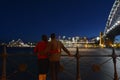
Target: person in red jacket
(43,61)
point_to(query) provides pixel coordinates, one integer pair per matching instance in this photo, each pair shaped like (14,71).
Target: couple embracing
(49,56)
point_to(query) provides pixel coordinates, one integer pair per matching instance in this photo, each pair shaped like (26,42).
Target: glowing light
(98,38)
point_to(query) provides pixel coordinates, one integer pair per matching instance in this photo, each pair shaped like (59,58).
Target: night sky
(29,19)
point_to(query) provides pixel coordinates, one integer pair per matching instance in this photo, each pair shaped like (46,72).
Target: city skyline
(28,20)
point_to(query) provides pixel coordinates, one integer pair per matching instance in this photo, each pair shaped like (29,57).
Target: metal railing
(23,67)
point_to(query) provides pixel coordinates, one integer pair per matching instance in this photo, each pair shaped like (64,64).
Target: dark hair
(53,35)
(44,37)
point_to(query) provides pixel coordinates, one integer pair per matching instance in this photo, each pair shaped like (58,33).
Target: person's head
(44,37)
(53,36)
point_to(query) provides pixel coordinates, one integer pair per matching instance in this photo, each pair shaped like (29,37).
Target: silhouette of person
(43,61)
(54,49)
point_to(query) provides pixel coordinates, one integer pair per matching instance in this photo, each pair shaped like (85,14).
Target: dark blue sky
(29,19)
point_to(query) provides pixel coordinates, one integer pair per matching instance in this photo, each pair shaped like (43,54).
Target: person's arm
(65,49)
(46,51)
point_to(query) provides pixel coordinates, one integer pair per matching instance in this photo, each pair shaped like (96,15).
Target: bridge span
(112,28)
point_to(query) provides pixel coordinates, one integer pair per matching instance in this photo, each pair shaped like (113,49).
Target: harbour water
(104,65)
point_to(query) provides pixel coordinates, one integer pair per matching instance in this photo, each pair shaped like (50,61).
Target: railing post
(77,65)
(4,56)
(114,62)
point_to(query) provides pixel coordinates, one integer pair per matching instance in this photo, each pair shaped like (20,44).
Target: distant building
(18,43)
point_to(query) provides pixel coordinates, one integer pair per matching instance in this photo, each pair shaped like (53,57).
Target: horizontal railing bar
(18,55)
(96,55)
(61,55)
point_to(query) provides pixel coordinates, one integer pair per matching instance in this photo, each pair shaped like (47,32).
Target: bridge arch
(112,28)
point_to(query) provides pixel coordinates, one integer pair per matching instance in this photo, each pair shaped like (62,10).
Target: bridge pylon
(109,41)
(101,43)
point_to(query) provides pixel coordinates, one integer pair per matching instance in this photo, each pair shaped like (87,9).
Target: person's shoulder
(49,43)
(41,43)
(59,42)
(38,43)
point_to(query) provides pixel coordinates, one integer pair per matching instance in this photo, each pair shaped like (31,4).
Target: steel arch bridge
(112,28)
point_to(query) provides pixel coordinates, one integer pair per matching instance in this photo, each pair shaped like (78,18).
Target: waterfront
(106,71)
